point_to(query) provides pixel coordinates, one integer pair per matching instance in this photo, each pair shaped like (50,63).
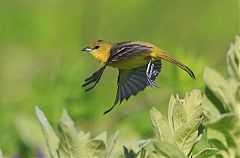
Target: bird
(139,64)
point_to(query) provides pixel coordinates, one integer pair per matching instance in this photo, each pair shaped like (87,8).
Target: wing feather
(132,81)
(134,88)
(125,50)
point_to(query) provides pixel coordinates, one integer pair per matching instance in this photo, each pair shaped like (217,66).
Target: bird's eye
(96,47)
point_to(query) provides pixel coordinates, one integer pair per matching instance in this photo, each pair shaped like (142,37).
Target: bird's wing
(93,80)
(125,50)
(132,81)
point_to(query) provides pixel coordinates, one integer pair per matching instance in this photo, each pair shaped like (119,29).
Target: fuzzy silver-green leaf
(112,144)
(233,60)
(69,141)
(224,123)
(49,134)
(96,149)
(160,125)
(192,103)
(172,102)
(168,150)
(186,136)
(179,115)
(205,153)
(219,86)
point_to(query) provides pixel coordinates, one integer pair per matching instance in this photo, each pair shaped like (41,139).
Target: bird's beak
(87,49)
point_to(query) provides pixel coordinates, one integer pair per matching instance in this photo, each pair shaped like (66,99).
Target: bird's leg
(148,68)
(150,73)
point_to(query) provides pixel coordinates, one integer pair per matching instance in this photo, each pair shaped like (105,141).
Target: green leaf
(237,97)
(205,153)
(142,153)
(69,141)
(192,103)
(168,150)
(179,115)
(224,123)
(186,136)
(50,136)
(215,102)
(172,102)
(96,149)
(214,134)
(112,144)
(218,144)
(219,87)
(231,140)
(233,60)
(102,136)
(160,125)
(143,143)
(83,137)
(153,154)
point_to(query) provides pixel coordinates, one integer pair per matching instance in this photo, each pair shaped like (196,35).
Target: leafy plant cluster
(224,94)
(176,136)
(73,143)
(216,115)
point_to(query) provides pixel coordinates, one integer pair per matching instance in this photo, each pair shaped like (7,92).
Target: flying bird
(138,63)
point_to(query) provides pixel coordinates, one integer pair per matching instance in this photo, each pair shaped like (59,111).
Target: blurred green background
(41,62)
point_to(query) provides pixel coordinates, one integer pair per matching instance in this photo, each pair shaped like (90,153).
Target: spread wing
(132,81)
(125,50)
(94,79)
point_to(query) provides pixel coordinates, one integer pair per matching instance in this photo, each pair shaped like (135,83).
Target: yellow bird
(139,63)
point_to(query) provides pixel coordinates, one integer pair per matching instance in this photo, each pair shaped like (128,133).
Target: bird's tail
(163,55)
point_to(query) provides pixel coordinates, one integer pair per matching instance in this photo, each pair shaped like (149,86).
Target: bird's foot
(152,83)
(151,74)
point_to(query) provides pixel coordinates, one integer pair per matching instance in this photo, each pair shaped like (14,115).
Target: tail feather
(166,57)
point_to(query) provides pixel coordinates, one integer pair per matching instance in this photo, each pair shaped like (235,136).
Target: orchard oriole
(139,63)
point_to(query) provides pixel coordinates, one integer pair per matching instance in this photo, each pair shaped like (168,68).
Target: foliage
(176,136)
(224,130)
(74,143)
(184,118)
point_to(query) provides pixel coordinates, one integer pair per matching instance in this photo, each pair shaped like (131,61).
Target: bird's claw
(152,83)
(151,73)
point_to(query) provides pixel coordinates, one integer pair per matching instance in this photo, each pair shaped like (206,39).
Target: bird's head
(100,49)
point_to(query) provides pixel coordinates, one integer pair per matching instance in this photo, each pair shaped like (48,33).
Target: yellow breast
(101,56)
